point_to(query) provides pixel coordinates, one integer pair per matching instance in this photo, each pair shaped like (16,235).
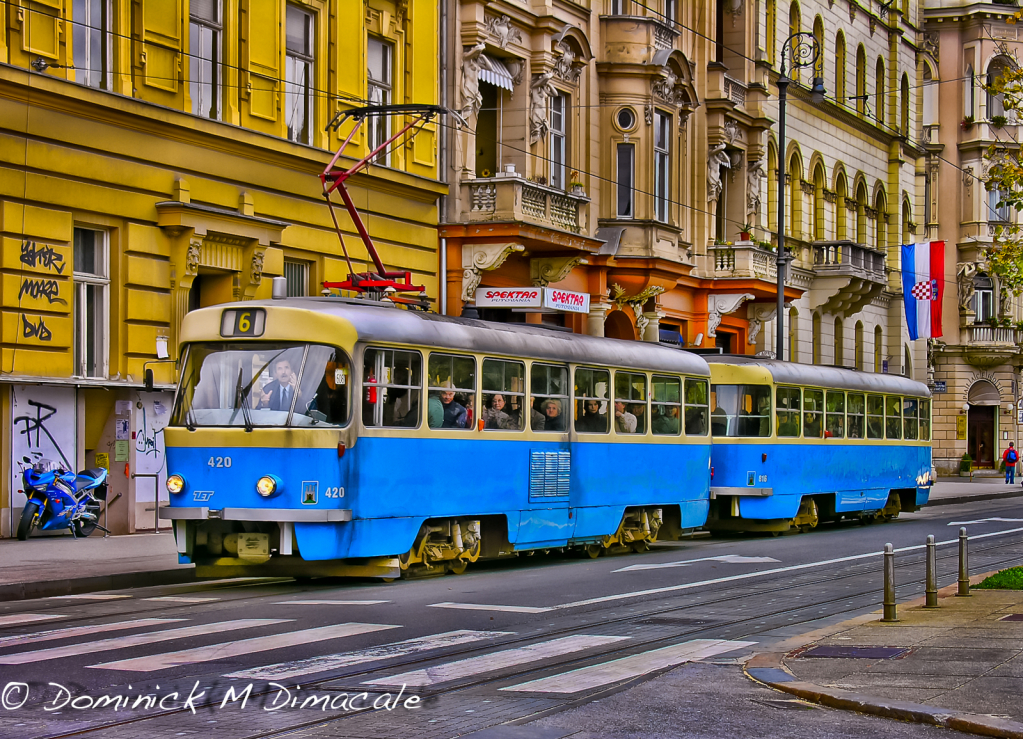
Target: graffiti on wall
(44,426)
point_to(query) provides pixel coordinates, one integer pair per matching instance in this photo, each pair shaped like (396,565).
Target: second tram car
(328,436)
(798,444)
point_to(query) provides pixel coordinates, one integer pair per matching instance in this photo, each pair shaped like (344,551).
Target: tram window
(740,410)
(893,416)
(391,388)
(550,398)
(504,395)
(452,386)
(666,405)
(323,394)
(787,413)
(910,422)
(813,414)
(834,416)
(855,408)
(697,410)
(591,400)
(925,419)
(875,417)
(630,403)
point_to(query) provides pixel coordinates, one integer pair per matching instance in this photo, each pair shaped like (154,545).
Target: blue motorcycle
(58,499)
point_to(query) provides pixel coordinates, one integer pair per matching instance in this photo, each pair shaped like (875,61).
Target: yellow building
(162,155)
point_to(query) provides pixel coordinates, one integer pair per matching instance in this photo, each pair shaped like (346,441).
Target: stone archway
(984,400)
(618,326)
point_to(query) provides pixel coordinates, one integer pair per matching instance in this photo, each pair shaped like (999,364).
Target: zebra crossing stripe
(27,618)
(484,607)
(180,599)
(89,596)
(134,640)
(497,661)
(237,648)
(18,640)
(299,668)
(330,602)
(615,671)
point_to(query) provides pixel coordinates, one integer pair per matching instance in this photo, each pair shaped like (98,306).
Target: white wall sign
(44,427)
(566,300)
(148,446)
(508,297)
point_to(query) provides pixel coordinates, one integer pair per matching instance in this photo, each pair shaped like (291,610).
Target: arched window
(996,100)
(795,181)
(904,106)
(841,209)
(839,342)
(793,336)
(816,337)
(879,88)
(818,202)
(795,26)
(772,187)
(878,348)
(907,365)
(880,230)
(861,213)
(861,79)
(930,95)
(859,345)
(969,92)
(840,69)
(907,218)
(772,31)
(818,34)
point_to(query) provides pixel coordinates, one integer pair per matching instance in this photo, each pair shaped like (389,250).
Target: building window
(815,337)
(997,209)
(996,100)
(619,7)
(204,57)
(793,336)
(858,359)
(91,280)
(93,50)
(772,22)
(624,173)
(662,165)
(671,11)
(559,113)
(861,80)
(983,299)
(878,348)
(839,343)
(297,276)
(380,77)
(298,76)
(969,92)
(840,69)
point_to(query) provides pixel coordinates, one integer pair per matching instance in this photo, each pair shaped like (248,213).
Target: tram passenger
(639,411)
(495,415)
(625,422)
(279,392)
(719,422)
(553,420)
(444,411)
(665,420)
(592,421)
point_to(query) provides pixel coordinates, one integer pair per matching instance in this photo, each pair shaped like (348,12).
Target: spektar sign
(533,297)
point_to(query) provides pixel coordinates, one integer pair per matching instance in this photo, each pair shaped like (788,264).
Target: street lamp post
(804,50)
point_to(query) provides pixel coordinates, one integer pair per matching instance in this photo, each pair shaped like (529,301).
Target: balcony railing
(848,257)
(742,261)
(516,199)
(993,334)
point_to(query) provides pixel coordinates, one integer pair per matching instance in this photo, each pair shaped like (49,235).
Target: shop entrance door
(981,435)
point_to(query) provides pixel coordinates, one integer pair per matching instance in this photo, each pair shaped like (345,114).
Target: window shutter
(161,43)
(262,57)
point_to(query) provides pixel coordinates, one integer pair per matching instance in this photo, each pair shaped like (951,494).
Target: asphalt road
(544,646)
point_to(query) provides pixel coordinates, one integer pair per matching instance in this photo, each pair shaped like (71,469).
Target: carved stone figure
(754,175)
(540,91)
(257,268)
(965,272)
(473,61)
(192,258)
(716,159)
(503,30)
(721,305)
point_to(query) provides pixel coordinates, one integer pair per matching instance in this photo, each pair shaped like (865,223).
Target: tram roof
(839,378)
(376,322)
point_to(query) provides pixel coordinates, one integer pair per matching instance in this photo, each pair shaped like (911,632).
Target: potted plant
(745,231)
(965,465)
(575,183)
(967,123)
(998,121)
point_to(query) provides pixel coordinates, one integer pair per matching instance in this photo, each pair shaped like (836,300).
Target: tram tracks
(809,609)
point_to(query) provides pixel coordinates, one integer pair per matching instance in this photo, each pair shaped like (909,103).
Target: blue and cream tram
(797,444)
(327,436)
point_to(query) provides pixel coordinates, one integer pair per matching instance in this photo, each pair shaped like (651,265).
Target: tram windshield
(740,410)
(263,385)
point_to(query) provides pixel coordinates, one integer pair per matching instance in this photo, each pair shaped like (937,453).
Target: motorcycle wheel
(84,528)
(27,519)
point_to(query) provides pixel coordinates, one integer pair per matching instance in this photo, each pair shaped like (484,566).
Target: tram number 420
(219,462)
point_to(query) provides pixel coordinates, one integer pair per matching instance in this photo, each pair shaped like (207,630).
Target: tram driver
(277,394)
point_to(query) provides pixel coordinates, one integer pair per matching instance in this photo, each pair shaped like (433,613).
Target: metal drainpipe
(442,158)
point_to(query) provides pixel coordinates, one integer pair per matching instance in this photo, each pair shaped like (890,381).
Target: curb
(971,498)
(77,585)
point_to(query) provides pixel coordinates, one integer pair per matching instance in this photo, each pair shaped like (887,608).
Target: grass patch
(1010,579)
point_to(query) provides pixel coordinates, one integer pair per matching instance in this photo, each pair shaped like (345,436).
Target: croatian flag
(923,286)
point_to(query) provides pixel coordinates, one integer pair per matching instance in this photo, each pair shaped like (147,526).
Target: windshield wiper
(240,403)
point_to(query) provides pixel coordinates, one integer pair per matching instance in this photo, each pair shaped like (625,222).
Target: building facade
(162,155)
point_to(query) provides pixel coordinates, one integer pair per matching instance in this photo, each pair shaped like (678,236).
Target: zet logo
(751,479)
(309,490)
(202,496)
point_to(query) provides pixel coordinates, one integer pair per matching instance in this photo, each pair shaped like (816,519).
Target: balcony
(848,276)
(743,261)
(512,198)
(986,346)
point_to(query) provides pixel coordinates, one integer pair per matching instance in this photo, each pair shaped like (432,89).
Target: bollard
(890,613)
(964,564)
(932,576)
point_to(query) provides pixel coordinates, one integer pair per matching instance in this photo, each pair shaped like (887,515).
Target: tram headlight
(268,485)
(175,484)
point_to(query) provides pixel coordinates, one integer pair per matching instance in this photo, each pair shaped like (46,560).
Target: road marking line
(91,596)
(330,602)
(482,607)
(74,631)
(732,559)
(242,646)
(763,573)
(89,647)
(27,618)
(449,671)
(605,673)
(299,668)
(181,599)
(984,520)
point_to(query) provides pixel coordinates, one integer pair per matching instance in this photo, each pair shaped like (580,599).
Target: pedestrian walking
(1009,456)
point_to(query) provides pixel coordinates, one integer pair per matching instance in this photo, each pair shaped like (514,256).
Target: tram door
(981,434)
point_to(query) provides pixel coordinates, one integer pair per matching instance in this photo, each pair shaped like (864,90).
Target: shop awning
(499,76)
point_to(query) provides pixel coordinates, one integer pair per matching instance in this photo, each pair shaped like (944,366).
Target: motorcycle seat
(94,474)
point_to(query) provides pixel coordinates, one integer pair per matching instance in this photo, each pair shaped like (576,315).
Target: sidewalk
(47,566)
(959,666)
(954,490)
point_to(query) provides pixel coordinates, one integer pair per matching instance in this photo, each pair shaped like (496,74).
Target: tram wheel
(456,566)
(593,550)
(640,546)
